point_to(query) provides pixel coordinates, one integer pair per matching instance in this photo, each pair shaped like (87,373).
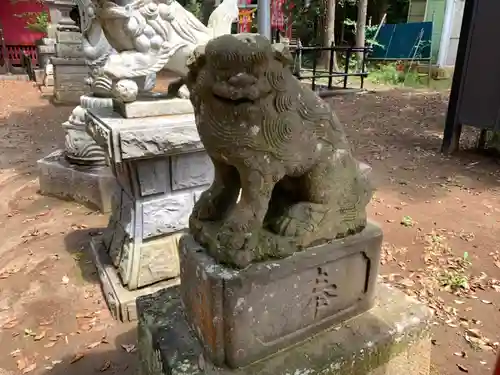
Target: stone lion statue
(277,147)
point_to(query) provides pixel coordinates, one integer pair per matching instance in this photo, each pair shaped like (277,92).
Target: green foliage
(36,21)
(194,6)
(395,74)
(370,32)
(305,19)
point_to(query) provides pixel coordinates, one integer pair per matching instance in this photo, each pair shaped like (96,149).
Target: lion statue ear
(197,58)
(195,62)
(282,53)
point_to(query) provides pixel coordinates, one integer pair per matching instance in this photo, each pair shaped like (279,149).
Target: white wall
(451,32)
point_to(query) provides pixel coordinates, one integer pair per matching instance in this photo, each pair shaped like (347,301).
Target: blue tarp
(400,41)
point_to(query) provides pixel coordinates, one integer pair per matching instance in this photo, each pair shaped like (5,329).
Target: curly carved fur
(268,133)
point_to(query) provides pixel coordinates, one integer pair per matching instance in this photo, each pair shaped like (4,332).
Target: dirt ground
(441,219)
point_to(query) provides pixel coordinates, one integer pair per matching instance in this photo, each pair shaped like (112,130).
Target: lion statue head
(239,68)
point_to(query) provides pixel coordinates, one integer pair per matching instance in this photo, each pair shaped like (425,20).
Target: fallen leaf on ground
(29,332)
(77,357)
(486,302)
(407,282)
(106,366)
(476,340)
(21,364)
(129,348)
(15,353)
(474,332)
(86,315)
(29,368)
(94,345)
(40,336)
(11,323)
(462,368)
(460,354)
(46,322)
(50,344)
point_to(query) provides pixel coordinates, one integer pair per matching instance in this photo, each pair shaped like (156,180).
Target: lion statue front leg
(215,203)
(240,229)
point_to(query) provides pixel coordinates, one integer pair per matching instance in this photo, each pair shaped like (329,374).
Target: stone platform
(275,304)
(121,301)
(91,186)
(161,169)
(393,338)
(153,107)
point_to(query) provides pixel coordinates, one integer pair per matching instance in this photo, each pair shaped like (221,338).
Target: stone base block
(89,186)
(393,338)
(39,76)
(67,97)
(241,316)
(153,107)
(144,263)
(121,301)
(48,81)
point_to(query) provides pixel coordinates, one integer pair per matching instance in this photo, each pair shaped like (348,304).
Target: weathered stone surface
(70,66)
(167,215)
(154,107)
(148,138)
(39,76)
(153,176)
(121,301)
(147,143)
(191,170)
(69,37)
(68,97)
(243,316)
(89,186)
(393,338)
(69,76)
(159,259)
(278,142)
(70,80)
(148,214)
(69,50)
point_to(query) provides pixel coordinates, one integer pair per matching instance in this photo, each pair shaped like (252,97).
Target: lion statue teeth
(274,139)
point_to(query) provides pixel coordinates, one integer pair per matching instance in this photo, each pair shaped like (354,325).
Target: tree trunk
(361,29)
(329,34)
(377,9)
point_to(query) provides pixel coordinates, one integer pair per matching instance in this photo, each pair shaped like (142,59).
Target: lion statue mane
(285,178)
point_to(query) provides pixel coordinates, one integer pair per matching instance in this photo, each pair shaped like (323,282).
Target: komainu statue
(285,178)
(152,35)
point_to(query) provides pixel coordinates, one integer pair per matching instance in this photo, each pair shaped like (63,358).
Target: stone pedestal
(79,172)
(69,80)
(92,186)
(161,168)
(269,306)
(46,48)
(59,12)
(70,69)
(393,338)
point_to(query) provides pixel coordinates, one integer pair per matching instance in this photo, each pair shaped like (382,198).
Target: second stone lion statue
(277,147)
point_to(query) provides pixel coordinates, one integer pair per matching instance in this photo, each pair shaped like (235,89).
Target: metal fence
(314,74)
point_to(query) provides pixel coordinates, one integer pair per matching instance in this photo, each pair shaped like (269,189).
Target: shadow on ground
(77,243)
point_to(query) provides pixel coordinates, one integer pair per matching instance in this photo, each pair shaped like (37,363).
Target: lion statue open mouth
(274,139)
